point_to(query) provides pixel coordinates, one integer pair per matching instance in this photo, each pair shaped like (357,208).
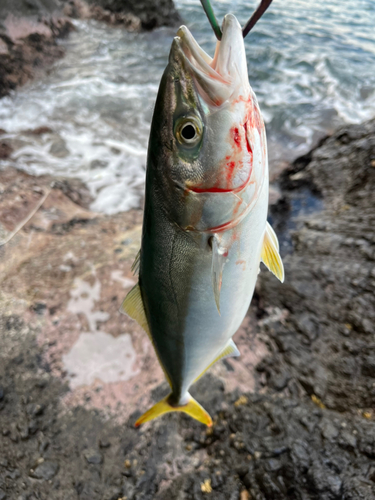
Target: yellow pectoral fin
(270,253)
(191,408)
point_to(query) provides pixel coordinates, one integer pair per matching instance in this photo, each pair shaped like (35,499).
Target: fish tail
(191,408)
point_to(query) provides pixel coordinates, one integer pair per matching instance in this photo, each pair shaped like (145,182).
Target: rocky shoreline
(29,31)
(294,415)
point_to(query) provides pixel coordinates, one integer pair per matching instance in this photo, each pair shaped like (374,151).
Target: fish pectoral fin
(134,308)
(270,253)
(219,255)
(229,351)
(136,263)
(191,408)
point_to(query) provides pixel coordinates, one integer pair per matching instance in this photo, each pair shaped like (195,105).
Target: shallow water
(311,64)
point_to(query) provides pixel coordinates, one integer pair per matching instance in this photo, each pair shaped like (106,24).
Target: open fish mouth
(222,77)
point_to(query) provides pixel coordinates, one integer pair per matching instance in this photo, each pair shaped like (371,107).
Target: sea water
(311,64)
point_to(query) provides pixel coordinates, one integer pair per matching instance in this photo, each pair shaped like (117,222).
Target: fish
(205,228)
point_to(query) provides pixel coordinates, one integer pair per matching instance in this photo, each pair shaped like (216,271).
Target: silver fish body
(205,221)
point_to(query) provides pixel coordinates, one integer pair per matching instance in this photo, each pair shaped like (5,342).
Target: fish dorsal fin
(230,351)
(136,263)
(219,256)
(270,253)
(134,308)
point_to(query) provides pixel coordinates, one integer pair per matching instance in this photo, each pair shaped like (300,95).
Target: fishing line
(257,14)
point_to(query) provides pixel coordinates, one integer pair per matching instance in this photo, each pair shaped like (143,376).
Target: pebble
(45,470)
(93,456)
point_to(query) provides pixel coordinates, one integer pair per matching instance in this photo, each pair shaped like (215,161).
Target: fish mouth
(217,79)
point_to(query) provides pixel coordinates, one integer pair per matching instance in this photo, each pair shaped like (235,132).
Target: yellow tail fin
(192,408)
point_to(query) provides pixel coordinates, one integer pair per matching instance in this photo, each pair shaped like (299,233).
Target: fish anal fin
(134,308)
(191,408)
(270,254)
(219,255)
(229,351)
(271,233)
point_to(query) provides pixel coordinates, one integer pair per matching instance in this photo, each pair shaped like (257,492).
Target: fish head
(207,141)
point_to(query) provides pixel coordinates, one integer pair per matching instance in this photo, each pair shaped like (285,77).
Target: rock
(299,434)
(34,410)
(93,456)
(39,308)
(329,430)
(329,289)
(151,13)
(5,149)
(28,32)
(58,148)
(45,471)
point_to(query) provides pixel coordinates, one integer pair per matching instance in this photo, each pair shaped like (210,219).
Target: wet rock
(45,470)
(150,14)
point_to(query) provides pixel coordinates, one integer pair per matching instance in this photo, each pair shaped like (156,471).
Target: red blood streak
(231,165)
(236,137)
(250,151)
(210,190)
(220,190)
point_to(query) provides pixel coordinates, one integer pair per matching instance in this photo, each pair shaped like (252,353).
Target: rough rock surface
(29,30)
(28,33)
(149,13)
(307,429)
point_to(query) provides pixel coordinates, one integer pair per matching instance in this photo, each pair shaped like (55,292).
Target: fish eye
(188,131)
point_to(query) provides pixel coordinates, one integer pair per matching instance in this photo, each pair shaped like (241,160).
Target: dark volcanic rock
(329,290)
(152,13)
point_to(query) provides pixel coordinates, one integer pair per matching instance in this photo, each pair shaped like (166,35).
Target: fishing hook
(257,14)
